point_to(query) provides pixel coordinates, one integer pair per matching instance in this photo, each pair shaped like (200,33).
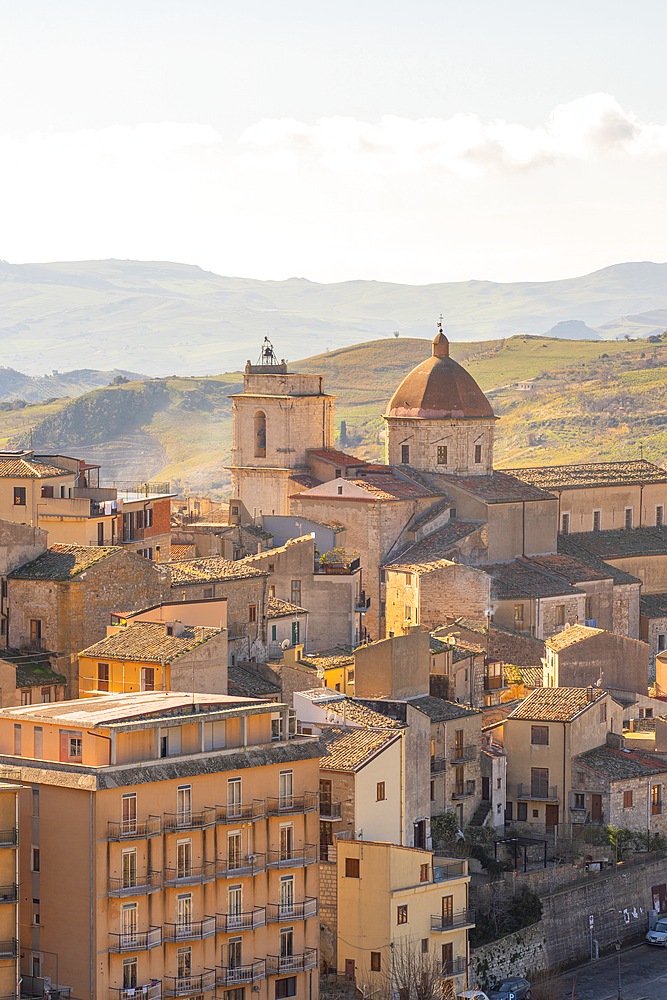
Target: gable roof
(64,562)
(334,457)
(499,487)
(430,553)
(439,710)
(618,765)
(561,704)
(520,579)
(589,474)
(351,749)
(26,467)
(275,608)
(576,547)
(571,637)
(148,641)
(250,683)
(211,569)
(653,605)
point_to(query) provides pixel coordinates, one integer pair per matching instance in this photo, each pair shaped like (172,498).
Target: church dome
(440,389)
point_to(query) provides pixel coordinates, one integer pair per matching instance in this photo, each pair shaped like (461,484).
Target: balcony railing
(136,940)
(462,790)
(226,923)
(239,974)
(452,921)
(193,930)
(236,867)
(457,967)
(277,964)
(9,949)
(462,752)
(330,810)
(292,859)
(9,838)
(438,765)
(9,893)
(149,991)
(189,820)
(135,829)
(249,811)
(277,806)
(190,874)
(281,912)
(362,602)
(538,792)
(186,986)
(444,870)
(149,882)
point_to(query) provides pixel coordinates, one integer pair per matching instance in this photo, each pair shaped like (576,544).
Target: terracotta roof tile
(385,486)
(210,569)
(576,546)
(591,474)
(500,487)
(653,605)
(148,641)
(439,710)
(29,468)
(567,568)
(434,551)
(350,749)
(520,579)
(619,765)
(275,608)
(249,683)
(179,552)
(64,562)
(335,457)
(571,636)
(561,704)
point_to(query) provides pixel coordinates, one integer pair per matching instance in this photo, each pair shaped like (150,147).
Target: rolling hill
(589,400)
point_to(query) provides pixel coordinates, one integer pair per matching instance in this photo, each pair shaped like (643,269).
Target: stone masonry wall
(328,919)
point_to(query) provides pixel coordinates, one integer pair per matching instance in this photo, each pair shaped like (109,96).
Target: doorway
(551,818)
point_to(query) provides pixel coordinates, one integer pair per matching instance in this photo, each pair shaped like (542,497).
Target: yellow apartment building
(172,848)
(9,889)
(401,911)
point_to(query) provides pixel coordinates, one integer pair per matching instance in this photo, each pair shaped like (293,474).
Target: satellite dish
(285,644)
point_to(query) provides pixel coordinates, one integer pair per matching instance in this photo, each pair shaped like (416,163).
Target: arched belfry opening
(260,434)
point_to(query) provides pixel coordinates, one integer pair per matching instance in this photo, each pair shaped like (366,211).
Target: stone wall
(512,647)
(328,915)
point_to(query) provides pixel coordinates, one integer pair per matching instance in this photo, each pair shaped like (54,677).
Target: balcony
(241,813)
(9,893)
(142,884)
(455,968)
(136,940)
(179,821)
(330,811)
(278,806)
(461,753)
(239,974)
(228,923)
(149,991)
(9,949)
(463,789)
(443,869)
(452,921)
(190,874)
(278,964)
(192,930)
(188,986)
(536,792)
(337,568)
(292,859)
(280,912)
(237,867)
(9,838)
(438,765)
(135,829)
(362,603)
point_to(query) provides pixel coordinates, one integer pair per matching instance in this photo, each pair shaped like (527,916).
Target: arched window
(260,434)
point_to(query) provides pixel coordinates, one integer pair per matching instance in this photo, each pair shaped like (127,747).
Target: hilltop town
(396,727)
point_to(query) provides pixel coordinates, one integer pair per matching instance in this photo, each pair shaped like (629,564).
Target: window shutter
(64,745)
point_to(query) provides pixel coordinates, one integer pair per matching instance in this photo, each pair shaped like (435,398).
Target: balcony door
(447,911)
(286,895)
(286,789)
(184,805)
(234,851)
(129,869)
(234,797)
(184,859)
(129,815)
(184,915)
(128,924)
(286,842)
(234,905)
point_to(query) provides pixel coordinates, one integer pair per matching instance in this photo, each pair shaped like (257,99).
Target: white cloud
(585,129)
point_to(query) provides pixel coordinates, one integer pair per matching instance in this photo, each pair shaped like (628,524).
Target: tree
(408,973)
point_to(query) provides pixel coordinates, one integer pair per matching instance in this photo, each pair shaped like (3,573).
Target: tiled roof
(64,562)
(619,765)
(520,579)
(183,552)
(386,486)
(32,670)
(276,608)
(567,568)
(532,677)
(148,641)
(335,457)
(653,605)
(350,710)
(431,553)
(592,474)
(328,660)
(437,645)
(624,542)
(305,479)
(210,569)
(249,683)
(464,650)
(576,547)
(556,704)
(29,468)
(571,636)
(499,487)
(428,515)
(350,749)
(439,710)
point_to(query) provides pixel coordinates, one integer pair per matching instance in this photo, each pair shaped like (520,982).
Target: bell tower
(277,418)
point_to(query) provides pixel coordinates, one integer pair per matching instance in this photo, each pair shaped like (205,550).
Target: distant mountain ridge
(165,318)
(38,388)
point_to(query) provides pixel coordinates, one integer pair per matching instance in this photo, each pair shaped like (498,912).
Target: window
(662,642)
(252,613)
(539,782)
(518,616)
(130,966)
(579,800)
(560,614)
(235,953)
(286,789)
(128,824)
(184,911)
(46,492)
(234,851)
(34,859)
(285,987)
(208,592)
(74,747)
(102,676)
(376,961)
(235,511)
(148,678)
(597,520)
(628,517)
(442,454)
(402,914)
(17,740)
(26,697)
(424,946)
(287,895)
(380,791)
(656,800)
(286,942)
(407,613)
(478,454)
(539,735)
(405,454)
(35,631)
(522,811)
(565,524)
(627,800)
(433,791)
(351,867)
(46,696)
(659,516)
(35,802)
(603,712)
(508,812)
(184,859)
(100,532)
(295,592)
(35,912)
(184,963)
(128,869)
(286,841)
(424,873)
(184,805)
(234,807)
(260,434)
(19,496)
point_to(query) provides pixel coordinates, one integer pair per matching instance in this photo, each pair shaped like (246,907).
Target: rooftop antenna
(267,356)
(440,319)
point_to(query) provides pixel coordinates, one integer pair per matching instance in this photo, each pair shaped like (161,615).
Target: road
(643,976)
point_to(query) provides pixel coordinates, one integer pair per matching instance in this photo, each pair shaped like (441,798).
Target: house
(27,679)
(146,520)
(197,821)
(653,623)
(493,767)
(19,544)
(540,738)
(579,656)
(614,784)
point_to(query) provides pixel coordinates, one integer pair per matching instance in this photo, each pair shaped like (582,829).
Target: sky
(436,140)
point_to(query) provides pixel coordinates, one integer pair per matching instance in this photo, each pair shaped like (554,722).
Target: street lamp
(617,945)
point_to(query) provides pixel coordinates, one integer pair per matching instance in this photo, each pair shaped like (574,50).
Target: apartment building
(172,848)
(9,890)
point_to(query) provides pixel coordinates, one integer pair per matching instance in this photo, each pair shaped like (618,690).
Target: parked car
(659,933)
(512,988)
(472,995)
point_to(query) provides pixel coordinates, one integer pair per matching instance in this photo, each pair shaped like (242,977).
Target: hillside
(163,318)
(38,388)
(589,400)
